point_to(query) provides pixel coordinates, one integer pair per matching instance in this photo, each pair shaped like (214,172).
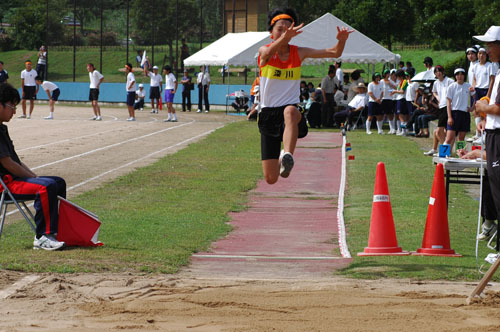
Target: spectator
(29,88)
(187,86)
(310,87)
(410,96)
(41,66)
(203,81)
(409,69)
(170,90)
(155,87)
(139,98)
(354,108)
(130,88)
(338,96)
(402,65)
(24,183)
(304,93)
(184,53)
(387,105)
(458,94)
(339,74)
(96,79)
(314,109)
(327,87)
(353,86)
(240,101)
(428,63)
(140,57)
(400,102)
(439,90)
(375,93)
(53,93)
(4,75)
(482,81)
(471,53)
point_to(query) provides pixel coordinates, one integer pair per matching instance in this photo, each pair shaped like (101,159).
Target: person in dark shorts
(53,93)
(375,93)
(130,87)
(4,75)
(96,79)
(280,65)
(29,88)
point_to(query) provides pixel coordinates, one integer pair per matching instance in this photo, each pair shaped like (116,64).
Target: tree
(487,14)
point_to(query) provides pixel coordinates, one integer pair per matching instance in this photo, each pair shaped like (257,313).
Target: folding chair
(6,199)
(362,116)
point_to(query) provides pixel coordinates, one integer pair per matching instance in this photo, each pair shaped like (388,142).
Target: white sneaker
(478,141)
(369,133)
(206,111)
(286,163)
(198,111)
(22,116)
(400,133)
(492,258)
(142,109)
(167,120)
(93,118)
(487,232)
(98,118)
(392,132)
(28,117)
(49,118)
(47,242)
(153,110)
(430,152)
(131,119)
(381,133)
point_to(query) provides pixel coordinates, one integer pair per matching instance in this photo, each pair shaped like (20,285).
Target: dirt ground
(86,153)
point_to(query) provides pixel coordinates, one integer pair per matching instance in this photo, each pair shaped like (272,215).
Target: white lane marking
(319,258)
(142,158)
(111,146)
(5,293)
(344,250)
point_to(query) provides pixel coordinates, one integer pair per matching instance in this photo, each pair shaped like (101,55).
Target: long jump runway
(290,228)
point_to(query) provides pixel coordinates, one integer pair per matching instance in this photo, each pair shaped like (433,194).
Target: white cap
(493,34)
(155,67)
(141,85)
(459,70)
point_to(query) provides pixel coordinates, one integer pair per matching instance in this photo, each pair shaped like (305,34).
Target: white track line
(319,258)
(5,293)
(344,250)
(111,146)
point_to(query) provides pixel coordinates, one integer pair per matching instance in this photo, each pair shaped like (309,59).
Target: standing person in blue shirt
(4,75)
(130,87)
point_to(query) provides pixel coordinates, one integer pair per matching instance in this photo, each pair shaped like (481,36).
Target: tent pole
(228,83)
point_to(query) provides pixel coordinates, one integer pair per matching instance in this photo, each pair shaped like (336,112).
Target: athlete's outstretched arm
(267,52)
(334,52)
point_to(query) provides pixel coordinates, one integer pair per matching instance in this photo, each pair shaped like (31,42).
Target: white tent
(322,33)
(233,49)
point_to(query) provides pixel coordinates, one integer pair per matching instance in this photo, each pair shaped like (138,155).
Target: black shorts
(94,94)
(388,106)
(29,92)
(154,92)
(55,94)
(461,121)
(443,117)
(374,109)
(130,98)
(271,127)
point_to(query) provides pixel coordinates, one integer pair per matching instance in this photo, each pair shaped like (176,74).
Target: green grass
(61,65)
(155,218)
(410,177)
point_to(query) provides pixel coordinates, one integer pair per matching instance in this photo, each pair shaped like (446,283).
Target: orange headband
(281,17)
(130,68)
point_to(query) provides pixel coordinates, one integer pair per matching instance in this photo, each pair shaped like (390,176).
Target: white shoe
(478,141)
(487,232)
(470,139)
(142,109)
(431,152)
(206,111)
(167,120)
(22,116)
(392,132)
(28,117)
(492,258)
(98,118)
(153,110)
(198,111)
(131,119)
(400,133)
(93,118)
(49,118)
(47,242)
(381,133)
(286,163)
(369,133)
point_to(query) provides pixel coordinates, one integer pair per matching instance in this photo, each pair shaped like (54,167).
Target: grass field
(61,65)
(156,217)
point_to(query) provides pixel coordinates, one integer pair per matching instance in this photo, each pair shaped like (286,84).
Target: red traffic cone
(161,104)
(382,240)
(436,240)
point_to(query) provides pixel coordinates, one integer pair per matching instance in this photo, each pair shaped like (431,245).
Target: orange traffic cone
(382,240)
(161,103)
(436,240)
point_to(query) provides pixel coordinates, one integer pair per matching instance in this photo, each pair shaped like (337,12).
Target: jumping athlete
(280,65)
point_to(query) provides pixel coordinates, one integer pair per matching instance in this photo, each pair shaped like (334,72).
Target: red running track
(290,228)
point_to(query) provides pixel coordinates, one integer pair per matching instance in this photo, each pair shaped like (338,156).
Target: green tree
(487,13)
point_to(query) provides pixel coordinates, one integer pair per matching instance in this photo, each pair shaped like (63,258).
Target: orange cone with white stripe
(436,240)
(382,240)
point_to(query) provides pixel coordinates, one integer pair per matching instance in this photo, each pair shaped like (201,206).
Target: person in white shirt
(170,90)
(155,88)
(339,74)
(53,93)
(471,53)
(458,104)
(139,98)
(439,90)
(338,96)
(203,81)
(130,87)
(399,95)
(29,88)
(375,93)
(355,106)
(483,78)
(428,63)
(41,66)
(96,79)
(388,86)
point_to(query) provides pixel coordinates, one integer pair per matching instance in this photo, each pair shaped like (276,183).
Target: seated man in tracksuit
(24,183)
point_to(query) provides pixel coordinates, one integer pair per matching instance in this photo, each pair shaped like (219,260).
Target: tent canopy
(233,49)
(240,49)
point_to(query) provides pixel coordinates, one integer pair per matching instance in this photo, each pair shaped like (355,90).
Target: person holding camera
(187,86)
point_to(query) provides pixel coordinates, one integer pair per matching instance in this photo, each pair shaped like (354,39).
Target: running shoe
(98,118)
(286,163)
(93,118)
(49,118)
(198,111)
(431,152)
(167,120)
(369,133)
(131,119)
(47,242)
(487,232)
(22,116)
(492,258)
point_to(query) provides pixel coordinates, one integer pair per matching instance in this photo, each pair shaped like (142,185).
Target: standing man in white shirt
(96,79)
(29,87)
(170,90)
(53,93)
(339,74)
(203,81)
(130,87)
(155,88)
(41,66)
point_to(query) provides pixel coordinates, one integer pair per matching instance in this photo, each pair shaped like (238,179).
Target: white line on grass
(112,145)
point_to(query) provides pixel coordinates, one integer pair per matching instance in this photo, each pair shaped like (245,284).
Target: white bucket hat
(493,34)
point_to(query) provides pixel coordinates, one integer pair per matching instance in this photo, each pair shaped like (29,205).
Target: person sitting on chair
(355,106)
(23,183)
